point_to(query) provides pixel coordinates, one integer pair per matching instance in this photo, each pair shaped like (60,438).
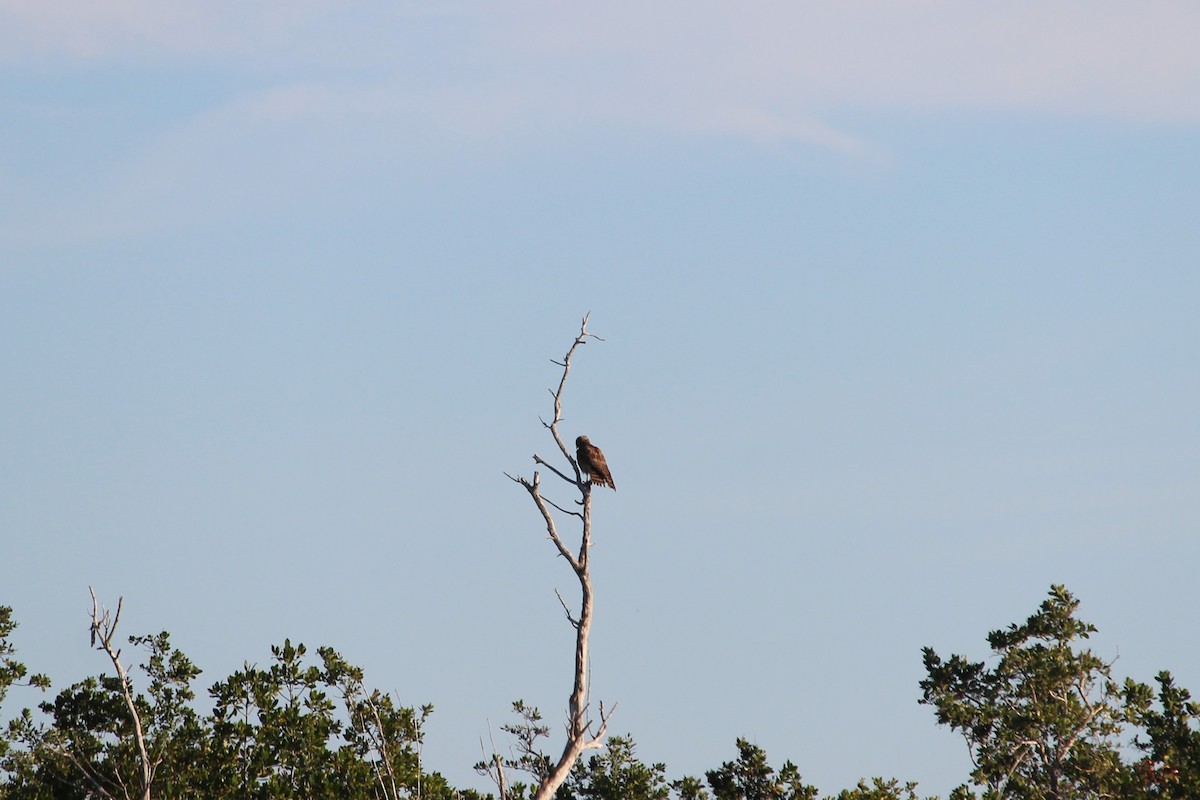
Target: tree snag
(103,630)
(580,736)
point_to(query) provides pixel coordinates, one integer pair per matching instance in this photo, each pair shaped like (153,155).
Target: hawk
(591,462)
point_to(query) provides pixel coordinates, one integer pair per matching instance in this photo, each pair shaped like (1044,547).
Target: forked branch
(581,339)
(103,631)
(580,736)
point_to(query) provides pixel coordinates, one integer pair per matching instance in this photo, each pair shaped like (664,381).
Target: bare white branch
(579,736)
(566,609)
(103,630)
(564,510)
(494,766)
(539,460)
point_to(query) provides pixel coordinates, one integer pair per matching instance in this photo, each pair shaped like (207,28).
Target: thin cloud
(1123,60)
(341,89)
(131,30)
(778,60)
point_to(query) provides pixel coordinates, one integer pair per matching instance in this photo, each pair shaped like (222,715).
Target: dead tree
(103,630)
(580,733)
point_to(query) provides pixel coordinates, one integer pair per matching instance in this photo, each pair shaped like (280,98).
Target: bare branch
(566,610)
(562,383)
(539,460)
(103,629)
(86,769)
(598,740)
(579,736)
(493,767)
(564,510)
(501,783)
(534,489)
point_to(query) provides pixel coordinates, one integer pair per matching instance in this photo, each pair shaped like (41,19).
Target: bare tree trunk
(104,628)
(580,737)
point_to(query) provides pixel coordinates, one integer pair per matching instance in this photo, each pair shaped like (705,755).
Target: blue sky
(899,307)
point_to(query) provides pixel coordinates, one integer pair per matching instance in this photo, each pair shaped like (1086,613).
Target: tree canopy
(1043,717)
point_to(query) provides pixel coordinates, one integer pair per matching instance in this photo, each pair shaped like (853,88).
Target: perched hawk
(591,461)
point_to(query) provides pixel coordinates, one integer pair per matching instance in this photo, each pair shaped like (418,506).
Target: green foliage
(270,729)
(616,774)
(277,733)
(879,789)
(13,672)
(527,732)
(295,729)
(1043,719)
(1171,766)
(1043,723)
(528,759)
(751,778)
(689,788)
(89,744)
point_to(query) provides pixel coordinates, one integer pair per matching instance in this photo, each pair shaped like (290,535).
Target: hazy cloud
(310,89)
(700,64)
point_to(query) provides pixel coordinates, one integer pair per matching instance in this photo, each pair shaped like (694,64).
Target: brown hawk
(591,461)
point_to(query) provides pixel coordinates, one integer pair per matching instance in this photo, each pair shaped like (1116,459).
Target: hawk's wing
(591,461)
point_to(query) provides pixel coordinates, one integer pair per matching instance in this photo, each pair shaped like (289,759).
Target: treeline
(1044,719)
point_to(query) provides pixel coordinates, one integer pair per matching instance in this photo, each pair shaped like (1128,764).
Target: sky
(898,306)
